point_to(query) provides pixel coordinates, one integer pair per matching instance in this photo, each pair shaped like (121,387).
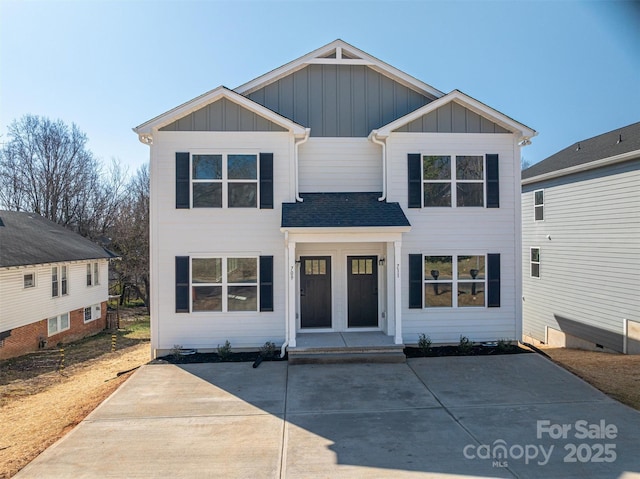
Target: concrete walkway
(494,416)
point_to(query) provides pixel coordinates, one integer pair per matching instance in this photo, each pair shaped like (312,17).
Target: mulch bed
(475,350)
(215,358)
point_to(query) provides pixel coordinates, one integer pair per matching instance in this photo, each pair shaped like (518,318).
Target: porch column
(291,292)
(397,259)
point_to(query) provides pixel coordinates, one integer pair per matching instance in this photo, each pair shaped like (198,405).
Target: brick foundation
(26,339)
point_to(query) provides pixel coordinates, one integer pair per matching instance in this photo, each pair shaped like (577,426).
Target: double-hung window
(224,180)
(450,180)
(538,205)
(93,274)
(224,284)
(59,281)
(29,280)
(535,262)
(454,281)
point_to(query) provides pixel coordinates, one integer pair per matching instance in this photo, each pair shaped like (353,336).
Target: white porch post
(291,292)
(397,259)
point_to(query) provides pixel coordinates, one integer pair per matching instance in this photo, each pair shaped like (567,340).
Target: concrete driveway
(494,416)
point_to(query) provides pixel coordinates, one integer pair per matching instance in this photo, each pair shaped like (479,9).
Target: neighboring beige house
(581,244)
(334,194)
(53,284)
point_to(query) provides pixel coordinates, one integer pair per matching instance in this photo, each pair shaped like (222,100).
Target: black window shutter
(182,284)
(415,183)
(493,184)
(266,181)
(493,280)
(182,181)
(415,281)
(266,283)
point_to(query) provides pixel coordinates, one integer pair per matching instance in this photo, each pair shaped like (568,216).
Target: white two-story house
(54,284)
(333,194)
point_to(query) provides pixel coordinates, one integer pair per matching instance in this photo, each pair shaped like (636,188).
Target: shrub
(176,351)
(465,346)
(268,350)
(224,352)
(424,344)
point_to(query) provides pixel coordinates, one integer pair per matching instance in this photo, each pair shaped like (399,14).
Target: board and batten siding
(20,306)
(333,165)
(339,100)
(459,231)
(452,118)
(215,231)
(589,266)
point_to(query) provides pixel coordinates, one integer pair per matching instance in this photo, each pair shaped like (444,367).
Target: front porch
(346,347)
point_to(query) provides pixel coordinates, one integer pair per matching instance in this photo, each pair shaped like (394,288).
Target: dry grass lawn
(617,375)
(39,403)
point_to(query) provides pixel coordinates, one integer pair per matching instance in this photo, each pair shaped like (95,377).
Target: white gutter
(296,158)
(630,155)
(373,138)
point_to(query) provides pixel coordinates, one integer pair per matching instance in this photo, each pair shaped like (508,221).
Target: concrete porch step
(329,355)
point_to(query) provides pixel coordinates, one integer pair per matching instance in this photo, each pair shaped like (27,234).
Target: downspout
(283,349)
(307,131)
(372,137)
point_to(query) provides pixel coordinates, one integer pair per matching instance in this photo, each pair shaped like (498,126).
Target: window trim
(93,274)
(531,262)
(536,205)
(94,309)
(225,180)
(455,280)
(58,319)
(453,181)
(224,284)
(33,279)
(96,274)
(55,282)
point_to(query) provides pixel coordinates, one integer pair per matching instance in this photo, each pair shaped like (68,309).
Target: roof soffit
(339,52)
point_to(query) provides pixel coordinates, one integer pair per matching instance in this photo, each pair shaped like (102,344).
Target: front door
(362,290)
(315,292)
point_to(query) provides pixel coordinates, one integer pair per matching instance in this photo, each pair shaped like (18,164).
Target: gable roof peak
(339,52)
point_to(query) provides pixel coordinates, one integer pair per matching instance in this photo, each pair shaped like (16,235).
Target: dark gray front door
(315,292)
(362,289)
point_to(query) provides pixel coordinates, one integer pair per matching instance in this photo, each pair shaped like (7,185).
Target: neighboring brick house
(581,244)
(333,195)
(53,284)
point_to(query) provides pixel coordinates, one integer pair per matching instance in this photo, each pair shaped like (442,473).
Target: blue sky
(568,69)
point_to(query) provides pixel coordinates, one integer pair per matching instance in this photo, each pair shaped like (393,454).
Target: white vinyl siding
(590,242)
(454,231)
(213,232)
(334,165)
(21,306)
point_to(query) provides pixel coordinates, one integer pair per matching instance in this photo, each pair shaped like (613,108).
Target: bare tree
(45,167)
(130,233)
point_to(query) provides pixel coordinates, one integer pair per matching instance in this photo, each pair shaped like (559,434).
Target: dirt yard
(40,402)
(617,375)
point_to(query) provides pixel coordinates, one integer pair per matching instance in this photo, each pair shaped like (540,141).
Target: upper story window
(224,284)
(538,204)
(29,280)
(453,181)
(93,274)
(224,181)
(59,281)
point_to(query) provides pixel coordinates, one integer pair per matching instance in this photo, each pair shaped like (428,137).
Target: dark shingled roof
(592,149)
(28,238)
(335,210)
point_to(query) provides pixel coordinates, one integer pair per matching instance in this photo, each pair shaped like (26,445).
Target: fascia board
(466,101)
(313,58)
(180,111)
(592,165)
